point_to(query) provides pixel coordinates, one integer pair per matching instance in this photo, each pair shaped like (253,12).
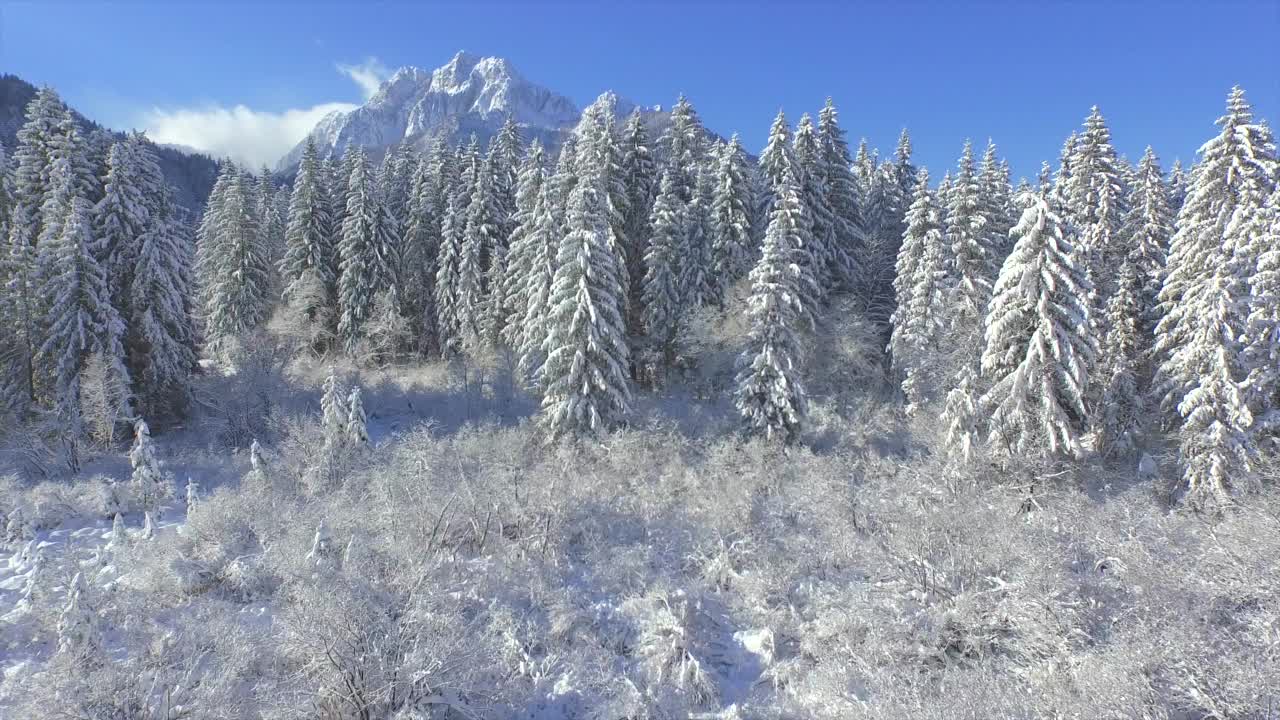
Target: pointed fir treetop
(770,395)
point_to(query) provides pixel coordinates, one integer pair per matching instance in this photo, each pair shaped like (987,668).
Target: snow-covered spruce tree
(120,218)
(1145,234)
(866,174)
(1095,197)
(684,145)
(510,294)
(149,482)
(19,311)
(663,300)
(479,247)
(1060,193)
(697,284)
(1205,302)
(684,149)
(1262,349)
(841,192)
(1038,344)
(960,415)
(549,213)
(79,636)
(420,252)
(395,182)
(446,284)
(356,429)
(444,172)
(334,412)
(585,373)
(770,394)
(161,339)
(1210,247)
(449,271)
(916,320)
(640,176)
(206,231)
(733,248)
(65,178)
(234,268)
(505,154)
(388,224)
(271,227)
(309,254)
(1177,187)
(619,196)
(997,201)
(80,319)
(810,172)
(970,267)
(360,278)
(1117,416)
(898,186)
(773,164)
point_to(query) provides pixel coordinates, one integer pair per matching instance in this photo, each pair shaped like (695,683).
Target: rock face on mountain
(470,94)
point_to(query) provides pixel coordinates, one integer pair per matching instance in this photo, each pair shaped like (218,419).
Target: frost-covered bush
(241,404)
(476,571)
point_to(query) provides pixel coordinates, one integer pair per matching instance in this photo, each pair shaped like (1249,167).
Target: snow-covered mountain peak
(470,93)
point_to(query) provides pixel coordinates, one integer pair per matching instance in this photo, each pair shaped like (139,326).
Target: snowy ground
(673,571)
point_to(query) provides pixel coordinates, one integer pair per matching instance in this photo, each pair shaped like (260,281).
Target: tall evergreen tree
(234,268)
(504,162)
(1038,342)
(1118,413)
(1177,187)
(310,258)
(997,201)
(161,336)
(770,394)
(774,161)
(120,219)
(360,279)
(1146,231)
(509,298)
(841,192)
(970,265)
(585,372)
(1262,350)
(663,299)
(480,246)
(1094,200)
(548,231)
(921,270)
(1211,258)
(828,264)
(698,286)
(81,319)
(731,209)
(1205,302)
(640,176)
(449,309)
(420,254)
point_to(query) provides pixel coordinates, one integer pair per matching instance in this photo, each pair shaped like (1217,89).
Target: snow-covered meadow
(460,566)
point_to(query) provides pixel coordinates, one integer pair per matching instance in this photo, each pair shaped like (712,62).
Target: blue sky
(251,79)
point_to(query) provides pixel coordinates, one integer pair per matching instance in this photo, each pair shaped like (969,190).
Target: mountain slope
(190,174)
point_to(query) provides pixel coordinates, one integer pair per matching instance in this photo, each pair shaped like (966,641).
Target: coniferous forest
(641,424)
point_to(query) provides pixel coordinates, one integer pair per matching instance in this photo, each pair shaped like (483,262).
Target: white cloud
(368,75)
(249,136)
(241,133)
